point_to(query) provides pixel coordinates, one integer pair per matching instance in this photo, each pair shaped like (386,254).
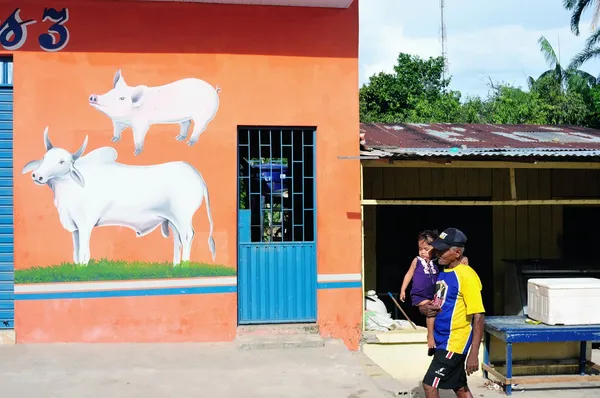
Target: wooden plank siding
(518,231)
(426,183)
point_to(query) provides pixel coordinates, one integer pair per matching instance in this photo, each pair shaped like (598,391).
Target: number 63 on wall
(13,31)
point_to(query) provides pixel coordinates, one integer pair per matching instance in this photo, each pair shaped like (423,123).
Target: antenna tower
(443,38)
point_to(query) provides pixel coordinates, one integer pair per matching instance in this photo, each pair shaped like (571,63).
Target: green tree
(447,108)
(594,108)
(417,92)
(414,92)
(476,110)
(545,103)
(564,95)
(558,106)
(569,79)
(512,105)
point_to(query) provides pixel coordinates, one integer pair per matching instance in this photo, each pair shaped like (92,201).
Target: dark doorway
(576,221)
(397,229)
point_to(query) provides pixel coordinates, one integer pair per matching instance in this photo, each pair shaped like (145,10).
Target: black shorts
(447,371)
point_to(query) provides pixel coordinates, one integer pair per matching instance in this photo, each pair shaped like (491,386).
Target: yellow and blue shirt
(458,292)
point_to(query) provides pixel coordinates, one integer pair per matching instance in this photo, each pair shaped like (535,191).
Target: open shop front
(523,219)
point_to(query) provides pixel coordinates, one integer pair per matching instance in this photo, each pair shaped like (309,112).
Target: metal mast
(443,39)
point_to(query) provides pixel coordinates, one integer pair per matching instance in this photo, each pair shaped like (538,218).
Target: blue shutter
(7,279)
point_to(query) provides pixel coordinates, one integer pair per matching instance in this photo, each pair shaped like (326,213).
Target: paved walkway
(182,370)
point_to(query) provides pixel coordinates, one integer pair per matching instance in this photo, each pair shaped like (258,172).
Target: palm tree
(577,8)
(592,48)
(567,79)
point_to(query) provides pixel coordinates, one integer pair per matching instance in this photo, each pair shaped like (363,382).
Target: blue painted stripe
(339,285)
(158,292)
(176,291)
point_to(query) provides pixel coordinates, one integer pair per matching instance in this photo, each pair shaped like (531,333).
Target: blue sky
(486,38)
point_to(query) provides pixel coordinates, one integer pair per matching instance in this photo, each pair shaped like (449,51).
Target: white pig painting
(139,107)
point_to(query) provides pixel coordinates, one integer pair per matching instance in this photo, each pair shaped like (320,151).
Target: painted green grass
(107,270)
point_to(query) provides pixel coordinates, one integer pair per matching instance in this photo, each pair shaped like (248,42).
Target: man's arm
(471,291)
(473,358)
(478,324)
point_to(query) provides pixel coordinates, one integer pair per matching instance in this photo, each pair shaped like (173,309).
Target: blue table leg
(582,357)
(508,386)
(486,352)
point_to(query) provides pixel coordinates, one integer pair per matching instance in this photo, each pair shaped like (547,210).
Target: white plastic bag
(376,316)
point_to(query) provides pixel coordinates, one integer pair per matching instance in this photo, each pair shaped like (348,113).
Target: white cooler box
(564,301)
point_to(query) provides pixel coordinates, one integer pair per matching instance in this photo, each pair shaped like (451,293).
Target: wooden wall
(519,232)
(425,183)
(522,232)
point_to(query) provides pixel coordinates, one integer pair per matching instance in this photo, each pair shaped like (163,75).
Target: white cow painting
(95,190)
(139,107)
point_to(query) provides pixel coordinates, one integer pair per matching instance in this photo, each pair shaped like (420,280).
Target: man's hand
(429,310)
(472,362)
(402,296)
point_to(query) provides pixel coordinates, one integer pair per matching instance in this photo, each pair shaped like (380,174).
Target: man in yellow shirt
(459,319)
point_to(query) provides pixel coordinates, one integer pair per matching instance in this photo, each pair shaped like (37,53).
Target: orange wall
(205,317)
(274,65)
(340,314)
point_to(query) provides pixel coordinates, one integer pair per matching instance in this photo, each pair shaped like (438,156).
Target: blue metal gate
(277,270)
(7,281)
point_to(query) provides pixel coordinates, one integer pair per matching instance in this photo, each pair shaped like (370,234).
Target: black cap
(450,237)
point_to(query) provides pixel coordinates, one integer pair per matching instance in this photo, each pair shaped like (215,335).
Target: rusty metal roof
(295,3)
(476,140)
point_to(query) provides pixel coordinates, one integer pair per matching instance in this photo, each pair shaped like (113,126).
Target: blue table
(513,329)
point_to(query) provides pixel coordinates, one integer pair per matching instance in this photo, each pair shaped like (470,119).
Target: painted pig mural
(94,190)
(139,107)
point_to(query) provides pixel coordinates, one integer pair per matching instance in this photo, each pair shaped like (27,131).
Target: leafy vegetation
(417,92)
(107,270)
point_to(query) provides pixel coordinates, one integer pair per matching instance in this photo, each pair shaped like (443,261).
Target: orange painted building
(175,169)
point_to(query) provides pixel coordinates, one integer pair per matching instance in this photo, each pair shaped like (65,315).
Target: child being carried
(424,273)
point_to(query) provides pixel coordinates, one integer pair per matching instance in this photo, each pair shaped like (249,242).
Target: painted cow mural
(95,190)
(139,107)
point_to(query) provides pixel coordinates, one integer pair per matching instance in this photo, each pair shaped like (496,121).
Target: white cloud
(504,49)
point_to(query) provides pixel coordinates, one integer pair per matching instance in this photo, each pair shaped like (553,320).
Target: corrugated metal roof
(419,152)
(478,140)
(486,136)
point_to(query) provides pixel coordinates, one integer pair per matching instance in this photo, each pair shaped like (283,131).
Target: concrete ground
(182,370)
(220,370)
(483,388)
